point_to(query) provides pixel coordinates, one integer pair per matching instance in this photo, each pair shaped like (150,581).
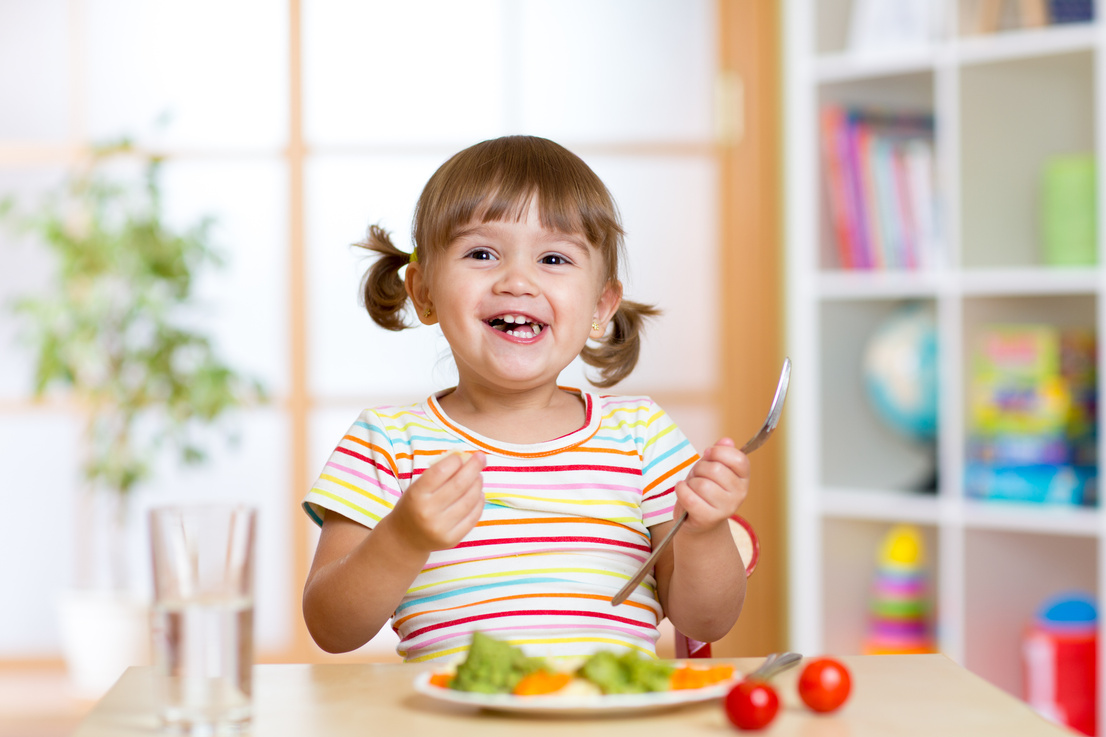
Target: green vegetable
(493,666)
(626,673)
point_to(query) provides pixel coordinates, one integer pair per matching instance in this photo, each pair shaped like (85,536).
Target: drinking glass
(202,625)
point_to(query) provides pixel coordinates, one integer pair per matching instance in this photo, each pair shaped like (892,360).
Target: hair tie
(414,257)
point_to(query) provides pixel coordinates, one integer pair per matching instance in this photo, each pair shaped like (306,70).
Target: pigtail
(617,352)
(382,289)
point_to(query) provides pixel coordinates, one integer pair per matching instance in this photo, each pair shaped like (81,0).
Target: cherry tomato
(824,684)
(752,704)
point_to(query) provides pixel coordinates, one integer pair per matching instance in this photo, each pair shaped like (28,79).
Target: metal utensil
(773,664)
(755,442)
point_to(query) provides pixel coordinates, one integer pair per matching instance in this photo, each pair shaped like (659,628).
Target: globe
(900,372)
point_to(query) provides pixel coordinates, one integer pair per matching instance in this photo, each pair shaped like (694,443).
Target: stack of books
(880,183)
(1032,409)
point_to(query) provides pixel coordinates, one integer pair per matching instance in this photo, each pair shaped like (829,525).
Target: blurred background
(294,125)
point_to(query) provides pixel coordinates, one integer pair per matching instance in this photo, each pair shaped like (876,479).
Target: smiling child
(509,504)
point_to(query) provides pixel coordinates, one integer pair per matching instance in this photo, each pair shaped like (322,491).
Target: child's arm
(359,576)
(701,577)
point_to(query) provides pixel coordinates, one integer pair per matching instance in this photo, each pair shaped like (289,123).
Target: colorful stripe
(565,524)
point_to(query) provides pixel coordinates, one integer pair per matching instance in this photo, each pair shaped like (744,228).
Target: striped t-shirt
(565,525)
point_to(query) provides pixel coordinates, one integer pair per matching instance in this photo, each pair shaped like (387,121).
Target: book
(838,191)
(879,187)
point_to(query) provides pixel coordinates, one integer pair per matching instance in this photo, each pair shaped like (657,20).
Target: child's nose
(517,278)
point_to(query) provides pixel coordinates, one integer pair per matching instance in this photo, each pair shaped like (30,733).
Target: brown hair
(497,180)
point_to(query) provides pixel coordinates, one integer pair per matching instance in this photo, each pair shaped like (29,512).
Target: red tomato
(752,704)
(824,684)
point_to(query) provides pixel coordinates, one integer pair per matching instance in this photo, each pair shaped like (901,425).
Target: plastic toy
(899,612)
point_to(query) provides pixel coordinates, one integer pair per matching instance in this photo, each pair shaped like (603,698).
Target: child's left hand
(715,488)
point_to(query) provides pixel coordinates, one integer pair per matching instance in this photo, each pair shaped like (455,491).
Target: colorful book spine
(836,187)
(880,188)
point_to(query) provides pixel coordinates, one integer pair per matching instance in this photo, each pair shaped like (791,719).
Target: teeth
(527,329)
(534,329)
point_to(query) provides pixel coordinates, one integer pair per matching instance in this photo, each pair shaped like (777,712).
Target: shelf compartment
(1021,317)
(1007,576)
(1015,116)
(850,556)
(1059,310)
(858,450)
(882,140)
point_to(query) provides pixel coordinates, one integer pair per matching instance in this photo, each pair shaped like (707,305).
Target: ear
(418,289)
(609,300)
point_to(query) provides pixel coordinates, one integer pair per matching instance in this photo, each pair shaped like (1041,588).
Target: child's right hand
(444,503)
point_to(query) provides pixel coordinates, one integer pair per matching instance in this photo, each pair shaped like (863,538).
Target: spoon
(755,442)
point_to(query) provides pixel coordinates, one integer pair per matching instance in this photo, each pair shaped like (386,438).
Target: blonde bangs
(497,180)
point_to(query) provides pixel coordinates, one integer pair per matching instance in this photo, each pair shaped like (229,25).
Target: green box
(1069,213)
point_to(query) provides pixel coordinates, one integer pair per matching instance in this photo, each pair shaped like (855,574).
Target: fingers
(452,475)
(445,502)
(458,482)
(716,486)
(720,461)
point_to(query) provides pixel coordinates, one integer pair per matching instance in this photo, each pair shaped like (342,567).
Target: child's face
(515,301)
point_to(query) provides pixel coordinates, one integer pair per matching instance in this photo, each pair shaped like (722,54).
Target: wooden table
(892,695)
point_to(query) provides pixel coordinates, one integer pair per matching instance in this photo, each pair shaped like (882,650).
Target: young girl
(510,504)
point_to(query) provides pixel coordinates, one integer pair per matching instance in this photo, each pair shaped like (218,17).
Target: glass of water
(203,566)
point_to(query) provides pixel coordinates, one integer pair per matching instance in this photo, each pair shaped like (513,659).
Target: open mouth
(519,326)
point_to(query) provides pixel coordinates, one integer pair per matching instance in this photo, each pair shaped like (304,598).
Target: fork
(773,664)
(755,442)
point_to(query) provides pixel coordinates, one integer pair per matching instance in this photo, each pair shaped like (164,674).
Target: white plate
(576,705)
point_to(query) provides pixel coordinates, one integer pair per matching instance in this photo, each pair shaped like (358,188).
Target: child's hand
(715,488)
(442,506)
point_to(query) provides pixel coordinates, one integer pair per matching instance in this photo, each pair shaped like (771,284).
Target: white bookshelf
(1002,103)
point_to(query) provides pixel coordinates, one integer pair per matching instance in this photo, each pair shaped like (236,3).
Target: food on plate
(694,676)
(492,666)
(751,704)
(626,673)
(824,684)
(541,682)
(496,667)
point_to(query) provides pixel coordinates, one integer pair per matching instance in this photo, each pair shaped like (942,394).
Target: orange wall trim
(752,298)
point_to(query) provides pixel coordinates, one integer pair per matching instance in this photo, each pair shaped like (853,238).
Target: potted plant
(117,331)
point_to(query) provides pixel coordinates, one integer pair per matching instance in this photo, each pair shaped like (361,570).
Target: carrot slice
(441,680)
(541,682)
(689,676)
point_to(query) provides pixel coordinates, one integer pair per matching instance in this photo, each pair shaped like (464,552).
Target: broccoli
(626,673)
(492,666)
